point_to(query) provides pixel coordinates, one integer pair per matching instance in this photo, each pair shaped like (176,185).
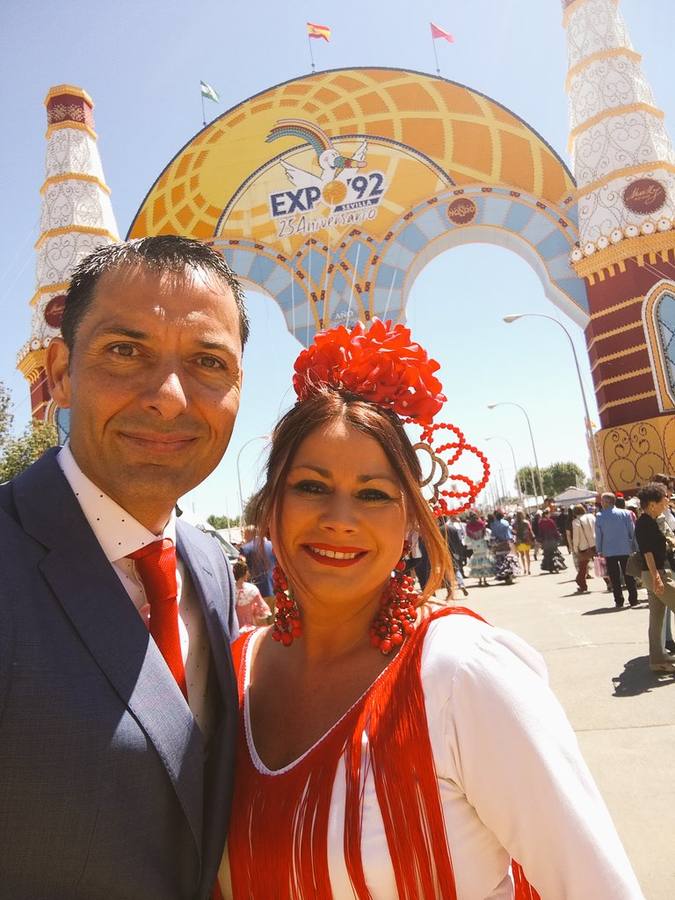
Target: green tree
(6,417)
(17,453)
(219,522)
(556,478)
(561,475)
(528,480)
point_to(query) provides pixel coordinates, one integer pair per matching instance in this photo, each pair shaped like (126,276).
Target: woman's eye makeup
(373,494)
(307,486)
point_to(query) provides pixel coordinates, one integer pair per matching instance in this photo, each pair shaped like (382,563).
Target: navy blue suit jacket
(107,787)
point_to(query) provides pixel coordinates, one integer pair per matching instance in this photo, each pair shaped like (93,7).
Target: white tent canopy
(572,495)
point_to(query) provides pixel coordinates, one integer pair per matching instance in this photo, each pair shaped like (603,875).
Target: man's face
(153,384)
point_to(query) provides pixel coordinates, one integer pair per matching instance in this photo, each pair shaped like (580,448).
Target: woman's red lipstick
(327,557)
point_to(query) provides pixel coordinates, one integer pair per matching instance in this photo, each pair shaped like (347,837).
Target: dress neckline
(258,764)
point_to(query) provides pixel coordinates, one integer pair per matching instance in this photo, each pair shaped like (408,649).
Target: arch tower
(624,165)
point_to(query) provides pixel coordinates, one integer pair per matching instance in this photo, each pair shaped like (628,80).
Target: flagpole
(433,44)
(203,110)
(311,53)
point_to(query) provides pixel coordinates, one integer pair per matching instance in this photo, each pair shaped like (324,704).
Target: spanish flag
(318,31)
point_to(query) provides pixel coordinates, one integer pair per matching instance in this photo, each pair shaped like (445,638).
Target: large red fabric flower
(383,365)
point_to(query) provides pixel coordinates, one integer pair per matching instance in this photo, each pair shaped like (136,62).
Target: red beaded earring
(287,624)
(397,614)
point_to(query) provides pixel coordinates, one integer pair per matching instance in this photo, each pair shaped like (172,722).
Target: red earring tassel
(287,623)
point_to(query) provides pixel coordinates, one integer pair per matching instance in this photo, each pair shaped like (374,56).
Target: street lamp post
(258,437)
(498,437)
(529,426)
(589,432)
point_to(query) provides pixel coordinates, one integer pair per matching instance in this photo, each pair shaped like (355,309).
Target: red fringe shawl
(280,822)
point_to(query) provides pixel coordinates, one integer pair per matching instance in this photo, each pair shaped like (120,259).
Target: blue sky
(142,61)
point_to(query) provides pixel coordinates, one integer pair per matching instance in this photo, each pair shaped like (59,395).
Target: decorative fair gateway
(330,193)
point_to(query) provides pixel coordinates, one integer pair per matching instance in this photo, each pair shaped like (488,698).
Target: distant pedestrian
(658,579)
(477,540)
(583,544)
(549,538)
(260,559)
(457,552)
(614,531)
(524,540)
(251,608)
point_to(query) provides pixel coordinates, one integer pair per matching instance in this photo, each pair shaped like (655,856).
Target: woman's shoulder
(462,646)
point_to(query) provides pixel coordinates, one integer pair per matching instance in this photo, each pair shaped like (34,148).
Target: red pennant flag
(437,32)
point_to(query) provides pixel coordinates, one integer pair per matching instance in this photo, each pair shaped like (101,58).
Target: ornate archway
(331,192)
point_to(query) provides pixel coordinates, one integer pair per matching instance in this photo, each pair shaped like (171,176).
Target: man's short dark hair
(651,493)
(164,253)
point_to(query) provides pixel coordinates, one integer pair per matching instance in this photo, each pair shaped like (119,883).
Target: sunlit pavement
(623,714)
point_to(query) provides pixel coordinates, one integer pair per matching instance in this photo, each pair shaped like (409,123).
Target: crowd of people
(626,543)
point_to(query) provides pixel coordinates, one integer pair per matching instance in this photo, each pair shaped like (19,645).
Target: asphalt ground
(622,713)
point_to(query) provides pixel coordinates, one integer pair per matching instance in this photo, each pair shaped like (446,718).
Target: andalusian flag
(318,31)
(209,92)
(437,32)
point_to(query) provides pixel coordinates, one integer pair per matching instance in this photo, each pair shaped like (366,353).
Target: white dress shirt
(119,534)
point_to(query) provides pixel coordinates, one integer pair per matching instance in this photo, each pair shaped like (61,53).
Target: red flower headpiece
(385,366)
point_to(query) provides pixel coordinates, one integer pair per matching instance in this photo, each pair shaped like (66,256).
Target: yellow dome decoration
(444,133)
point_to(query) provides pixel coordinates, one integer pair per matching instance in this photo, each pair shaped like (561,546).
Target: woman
(362,773)
(549,538)
(656,577)
(477,538)
(524,540)
(251,608)
(506,562)
(583,544)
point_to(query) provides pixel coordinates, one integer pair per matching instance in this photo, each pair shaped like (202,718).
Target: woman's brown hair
(327,405)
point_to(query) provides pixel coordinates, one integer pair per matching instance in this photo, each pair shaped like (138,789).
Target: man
(118,703)
(666,522)
(614,530)
(260,559)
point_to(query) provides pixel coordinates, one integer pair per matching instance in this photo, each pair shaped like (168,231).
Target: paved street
(623,714)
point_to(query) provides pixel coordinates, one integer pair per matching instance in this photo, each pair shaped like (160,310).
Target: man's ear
(58,372)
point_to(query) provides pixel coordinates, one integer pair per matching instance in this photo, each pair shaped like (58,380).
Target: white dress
(512,780)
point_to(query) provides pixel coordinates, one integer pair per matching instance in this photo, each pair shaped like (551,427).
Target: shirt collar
(115,529)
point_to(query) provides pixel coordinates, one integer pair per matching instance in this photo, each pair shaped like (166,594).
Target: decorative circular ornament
(631,231)
(462,211)
(577,255)
(589,248)
(647,227)
(616,236)
(334,192)
(664,224)
(54,311)
(644,196)
(602,242)
(35,344)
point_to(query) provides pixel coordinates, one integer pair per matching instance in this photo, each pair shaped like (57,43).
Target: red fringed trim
(279,824)
(524,890)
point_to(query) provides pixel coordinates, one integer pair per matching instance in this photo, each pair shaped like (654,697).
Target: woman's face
(343,517)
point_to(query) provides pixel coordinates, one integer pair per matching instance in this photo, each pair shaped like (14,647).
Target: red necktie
(156,566)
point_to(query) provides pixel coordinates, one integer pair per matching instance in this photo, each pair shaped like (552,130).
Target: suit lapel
(107,622)
(214,605)
(220,761)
